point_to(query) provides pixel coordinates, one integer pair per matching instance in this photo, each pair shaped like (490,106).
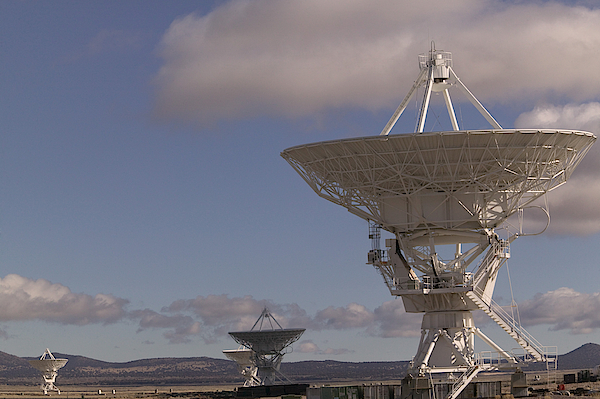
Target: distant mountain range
(81,370)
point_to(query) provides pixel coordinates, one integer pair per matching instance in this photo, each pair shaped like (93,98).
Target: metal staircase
(462,381)
(510,325)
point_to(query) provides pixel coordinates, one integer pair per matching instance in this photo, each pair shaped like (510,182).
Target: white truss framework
(440,189)
(465,180)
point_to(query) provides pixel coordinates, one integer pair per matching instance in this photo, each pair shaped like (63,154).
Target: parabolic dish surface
(47,365)
(240,356)
(452,180)
(267,341)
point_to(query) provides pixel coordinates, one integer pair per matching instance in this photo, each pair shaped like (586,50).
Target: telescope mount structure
(48,365)
(442,195)
(267,342)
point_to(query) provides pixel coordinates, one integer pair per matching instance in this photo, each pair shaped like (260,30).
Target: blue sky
(145,210)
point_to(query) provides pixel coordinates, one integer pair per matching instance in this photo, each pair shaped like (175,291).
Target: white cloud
(393,321)
(220,314)
(26,299)
(264,57)
(238,313)
(211,317)
(351,316)
(181,335)
(220,311)
(574,207)
(563,309)
(311,347)
(181,327)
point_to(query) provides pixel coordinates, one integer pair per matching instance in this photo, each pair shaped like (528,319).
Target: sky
(145,210)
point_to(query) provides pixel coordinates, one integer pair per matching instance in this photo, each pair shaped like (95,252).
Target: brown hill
(171,371)
(585,357)
(81,370)
(14,367)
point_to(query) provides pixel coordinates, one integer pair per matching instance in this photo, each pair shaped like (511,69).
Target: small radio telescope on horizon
(266,345)
(442,195)
(48,365)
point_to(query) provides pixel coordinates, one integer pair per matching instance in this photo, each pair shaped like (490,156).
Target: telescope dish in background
(266,345)
(450,190)
(48,365)
(243,358)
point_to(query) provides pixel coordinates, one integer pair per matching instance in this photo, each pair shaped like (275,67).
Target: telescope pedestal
(49,380)
(447,342)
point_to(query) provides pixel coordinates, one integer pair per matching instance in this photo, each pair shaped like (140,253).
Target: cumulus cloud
(211,317)
(219,314)
(386,321)
(393,321)
(26,299)
(351,316)
(574,208)
(221,311)
(180,327)
(311,347)
(238,313)
(563,309)
(263,57)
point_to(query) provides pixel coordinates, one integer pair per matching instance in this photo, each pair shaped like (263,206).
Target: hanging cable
(514,308)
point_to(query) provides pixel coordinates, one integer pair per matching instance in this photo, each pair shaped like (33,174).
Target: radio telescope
(442,195)
(267,345)
(49,366)
(243,358)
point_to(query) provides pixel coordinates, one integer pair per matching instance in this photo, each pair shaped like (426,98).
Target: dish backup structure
(48,365)
(261,350)
(442,195)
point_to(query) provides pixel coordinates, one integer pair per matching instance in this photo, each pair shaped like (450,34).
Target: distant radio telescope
(48,365)
(265,345)
(243,358)
(442,195)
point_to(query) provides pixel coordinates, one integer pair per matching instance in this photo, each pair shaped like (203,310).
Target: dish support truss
(445,193)
(48,365)
(447,297)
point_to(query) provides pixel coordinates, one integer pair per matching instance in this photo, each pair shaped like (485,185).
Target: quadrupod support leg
(447,343)
(49,380)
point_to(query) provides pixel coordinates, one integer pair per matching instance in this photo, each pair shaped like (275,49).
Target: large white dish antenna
(440,189)
(268,342)
(241,356)
(48,365)
(451,180)
(267,346)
